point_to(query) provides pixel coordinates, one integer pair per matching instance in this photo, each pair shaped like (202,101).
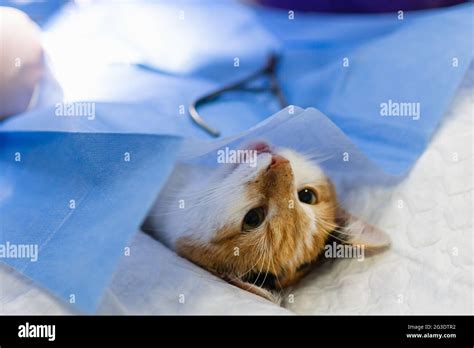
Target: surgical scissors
(268,70)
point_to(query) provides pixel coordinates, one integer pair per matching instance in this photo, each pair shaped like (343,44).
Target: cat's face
(268,222)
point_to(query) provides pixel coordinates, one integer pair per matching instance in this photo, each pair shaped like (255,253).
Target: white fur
(216,197)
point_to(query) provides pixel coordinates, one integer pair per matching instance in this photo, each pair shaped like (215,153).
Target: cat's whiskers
(259,272)
(251,268)
(333,227)
(268,252)
(329,234)
(318,158)
(191,192)
(206,197)
(262,252)
(276,276)
(266,273)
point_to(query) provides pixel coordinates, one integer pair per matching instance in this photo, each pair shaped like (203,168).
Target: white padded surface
(429,268)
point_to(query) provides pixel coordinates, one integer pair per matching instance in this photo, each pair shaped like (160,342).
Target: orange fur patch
(282,244)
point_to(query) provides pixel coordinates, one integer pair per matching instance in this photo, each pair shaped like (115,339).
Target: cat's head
(266,221)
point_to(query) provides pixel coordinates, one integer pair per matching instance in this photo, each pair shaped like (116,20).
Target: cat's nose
(277,160)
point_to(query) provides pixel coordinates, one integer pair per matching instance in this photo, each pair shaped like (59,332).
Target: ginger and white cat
(257,226)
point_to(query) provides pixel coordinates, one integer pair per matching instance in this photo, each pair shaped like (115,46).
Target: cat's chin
(245,171)
(244,160)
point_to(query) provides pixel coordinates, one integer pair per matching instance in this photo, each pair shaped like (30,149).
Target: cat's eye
(253,219)
(307,196)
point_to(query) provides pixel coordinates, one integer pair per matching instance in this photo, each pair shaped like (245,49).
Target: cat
(258,225)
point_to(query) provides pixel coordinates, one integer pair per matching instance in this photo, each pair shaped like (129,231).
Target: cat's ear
(357,232)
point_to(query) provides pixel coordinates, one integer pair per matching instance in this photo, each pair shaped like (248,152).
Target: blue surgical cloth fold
(78,198)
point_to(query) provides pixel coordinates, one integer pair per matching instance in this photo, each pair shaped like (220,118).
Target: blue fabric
(138,93)
(78,248)
(409,60)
